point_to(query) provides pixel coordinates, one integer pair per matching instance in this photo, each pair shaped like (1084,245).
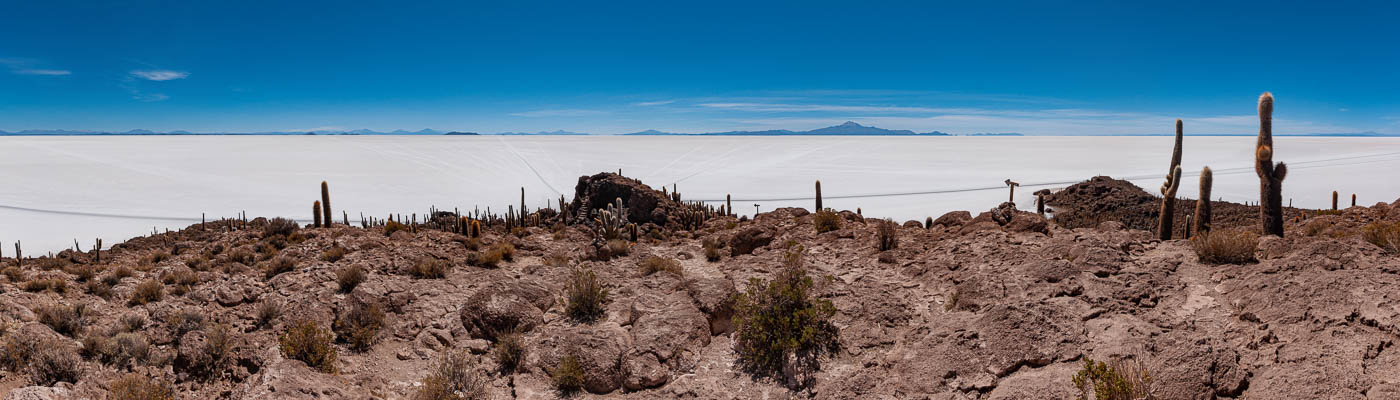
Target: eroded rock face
(599,348)
(746,241)
(644,205)
(509,306)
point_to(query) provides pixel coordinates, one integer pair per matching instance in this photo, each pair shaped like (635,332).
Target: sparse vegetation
(140,387)
(333,254)
(53,363)
(350,277)
(712,252)
(185,321)
(508,351)
(1386,235)
(568,376)
(65,319)
(267,312)
(430,268)
(243,256)
(654,264)
(394,226)
(212,358)
(781,326)
(279,265)
(149,291)
(826,220)
(1116,380)
(453,377)
(360,325)
(305,341)
(585,296)
(279,227)
(55,285)
(886,234)
(1225,247)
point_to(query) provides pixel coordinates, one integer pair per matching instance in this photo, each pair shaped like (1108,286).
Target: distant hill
(542,133)
(848,128)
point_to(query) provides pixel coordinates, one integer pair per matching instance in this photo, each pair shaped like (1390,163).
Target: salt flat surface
(57,189)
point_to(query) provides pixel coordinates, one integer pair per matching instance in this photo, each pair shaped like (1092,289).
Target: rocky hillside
(999,305)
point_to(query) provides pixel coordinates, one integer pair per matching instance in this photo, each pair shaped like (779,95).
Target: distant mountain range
(847,128)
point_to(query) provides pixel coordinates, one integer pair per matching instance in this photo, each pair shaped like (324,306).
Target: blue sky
(614,67)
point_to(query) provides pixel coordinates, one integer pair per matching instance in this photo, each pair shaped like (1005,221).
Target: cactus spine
(316,213)
(819,196)
(1202,217)
(1270,175)
(1166,219)
(1334,200)
(326,204)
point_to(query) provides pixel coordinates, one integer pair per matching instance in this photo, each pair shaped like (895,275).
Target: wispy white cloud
(159,74)
(654,103)
(45,72)
(573,112)
(26,66)
(148,97)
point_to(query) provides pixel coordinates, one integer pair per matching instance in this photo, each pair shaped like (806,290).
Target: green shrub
(654,264)
(279,265)
(780,325)
(1386,235)
(430,268)
(308,343)
(149,291)
(1225,247)
(453,377)
(1116,380)
(140,387)
(826,220)
(359,326)
(64,319)
(585,296)
(568,377)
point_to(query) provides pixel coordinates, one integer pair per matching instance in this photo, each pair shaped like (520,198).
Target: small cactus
(326,203)
(1202,217)
(1270,175)
(316,214)
(928,223)
(1166,219)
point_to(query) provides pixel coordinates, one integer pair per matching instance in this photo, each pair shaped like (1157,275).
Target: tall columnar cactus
(1202,217)
(819,196)
(97,252)
(316,214)
(729,206)
(1167,218)
(19,255)
(523,211)
(1270,175)
(1334,200)
(1353,199)
(326,203)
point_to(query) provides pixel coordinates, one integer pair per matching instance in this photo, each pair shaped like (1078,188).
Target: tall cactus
(729,206)
(1334,200)
(819,196)
(1202,218)
(523,212)
(316,214)
(1270,175)
(1167,218)
(326,204)
(1353,199)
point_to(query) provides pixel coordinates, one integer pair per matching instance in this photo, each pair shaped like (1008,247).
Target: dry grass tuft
(430,268)
(149,291)
(305,341)
(654,264)
(350,277)
(140,387)
(453,377)
(1225,247)
(826,220)
(1386,235)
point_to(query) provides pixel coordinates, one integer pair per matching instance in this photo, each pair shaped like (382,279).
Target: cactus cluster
(1270,174)
(612,221)
(1166,219)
